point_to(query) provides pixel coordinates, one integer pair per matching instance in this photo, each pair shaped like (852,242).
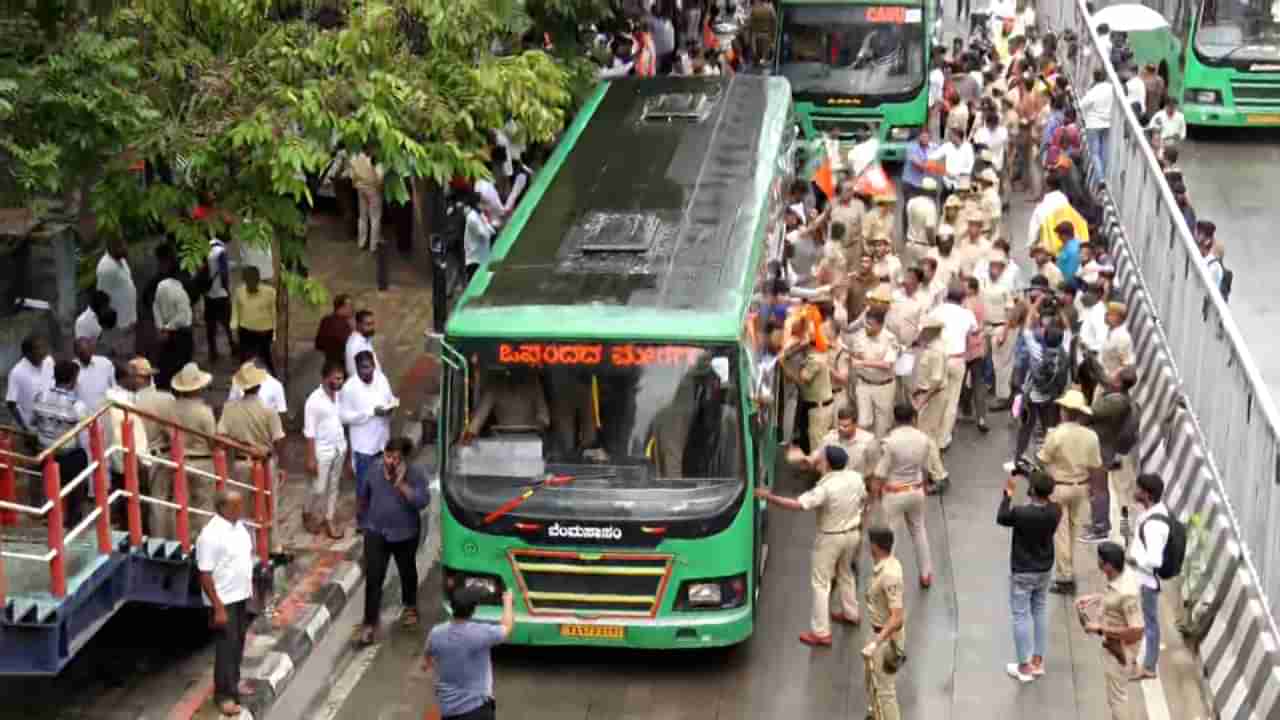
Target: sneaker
(1009,467)
(1095,537)
(1063,587)
(1012,670)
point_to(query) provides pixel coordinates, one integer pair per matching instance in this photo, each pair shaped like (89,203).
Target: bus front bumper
(1220,116)
(712,628)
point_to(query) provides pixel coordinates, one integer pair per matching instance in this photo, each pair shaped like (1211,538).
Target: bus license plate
(593,632)
(1269,118)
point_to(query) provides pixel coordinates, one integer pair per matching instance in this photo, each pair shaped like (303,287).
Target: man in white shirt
(1096,105)
(116,280)
(1053,201)
(89,323)
(32,373)
(125,391)
(477,238)
(958,158)
(97,374)
(366,406)
(172,310)
(937,82)
(491,199)
(1146,555)
(995,137)
(270,393)
(1135,91)
(1117,348)
(217,299)
(1170,123)
(326,451)
(224,558)
(958,323)
(360,341)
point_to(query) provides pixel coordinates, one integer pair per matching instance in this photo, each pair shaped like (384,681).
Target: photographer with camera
(1031,566)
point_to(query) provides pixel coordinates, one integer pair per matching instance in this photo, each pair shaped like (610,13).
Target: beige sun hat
(190,379)
(1074,400)
(249,376)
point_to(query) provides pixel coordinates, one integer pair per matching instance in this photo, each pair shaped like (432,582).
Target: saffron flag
(825,180)
(874,182)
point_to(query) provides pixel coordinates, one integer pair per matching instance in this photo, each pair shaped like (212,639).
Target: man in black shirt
(1031,561)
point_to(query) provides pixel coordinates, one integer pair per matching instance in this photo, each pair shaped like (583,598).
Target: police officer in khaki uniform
(873,353)
(861,445)
(879,221)
(944,253)
(888,267)
(1073,457)
(813,380)
(998,300)
(922,223)
(887,611)
(973,246)
(909,462)
(929,379)
(839,498)
(1118,613)
(991,204)
(848,211)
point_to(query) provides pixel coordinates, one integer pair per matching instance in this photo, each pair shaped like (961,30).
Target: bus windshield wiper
(549,481)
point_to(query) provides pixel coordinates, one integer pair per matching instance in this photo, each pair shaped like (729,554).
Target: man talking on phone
(1031,561)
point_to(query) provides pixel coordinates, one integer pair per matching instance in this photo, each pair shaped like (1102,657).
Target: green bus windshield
(644,432)
(1231,30)
(852,50)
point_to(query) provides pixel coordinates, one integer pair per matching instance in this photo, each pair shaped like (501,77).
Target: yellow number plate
(1268,119)
(593,632)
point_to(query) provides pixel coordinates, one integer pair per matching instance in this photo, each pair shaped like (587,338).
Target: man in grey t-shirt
(458,651)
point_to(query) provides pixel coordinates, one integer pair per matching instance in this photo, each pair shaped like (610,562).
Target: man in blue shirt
(458,652)
(1069,255)
(915,170)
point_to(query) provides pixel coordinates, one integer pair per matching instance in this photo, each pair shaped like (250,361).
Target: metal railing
(1230,404)
(43,468)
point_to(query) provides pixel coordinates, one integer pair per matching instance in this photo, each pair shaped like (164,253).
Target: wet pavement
(1231,175)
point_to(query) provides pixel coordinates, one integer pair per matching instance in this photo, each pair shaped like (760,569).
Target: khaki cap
(190,379)
(1074,400)
(249,376)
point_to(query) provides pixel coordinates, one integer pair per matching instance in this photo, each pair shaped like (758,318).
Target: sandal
(409,618)
(363,636)
(229,708)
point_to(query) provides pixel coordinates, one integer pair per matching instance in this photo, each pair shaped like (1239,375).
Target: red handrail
(58,563)
(8,481)
(100,486)
(131,482)
(181,496)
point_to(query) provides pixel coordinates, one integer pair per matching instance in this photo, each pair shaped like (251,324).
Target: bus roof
(645,223)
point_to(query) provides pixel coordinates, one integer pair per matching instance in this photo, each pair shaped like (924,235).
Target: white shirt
(805,258)
(1136,92)
(87,325)
(477,240)
(270,394)
(995,140)
(94,380)
(1096,105)
(1214,265)
(1047,207)
(957,322)
(959,159)
(937,81)
(172,306)
(1093,327)
(25,380)
(225,551)
(356,344)
(1010,279)
(1172,129)
(488,193)
(322,422)
(217,289)
(115,279)
(369,432)
(1146,550)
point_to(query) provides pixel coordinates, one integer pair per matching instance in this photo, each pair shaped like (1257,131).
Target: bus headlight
(713,593)
(1204,97)
(489,586)
(903,134)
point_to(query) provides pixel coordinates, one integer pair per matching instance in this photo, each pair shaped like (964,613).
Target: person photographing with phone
(1031,566)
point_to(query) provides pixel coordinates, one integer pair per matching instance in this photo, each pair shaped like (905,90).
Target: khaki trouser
(1122,482)
(1117,683)
(1074,501)
(931,417)
(833,557)
(821,420)
(370,221)
(909,507)
(790,405)
(1001,355)
(201,492)
(875,407)
(882,690)
(951,403)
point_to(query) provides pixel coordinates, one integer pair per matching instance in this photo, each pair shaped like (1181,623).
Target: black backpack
(1224,285)
(1175,548)
(1051,375)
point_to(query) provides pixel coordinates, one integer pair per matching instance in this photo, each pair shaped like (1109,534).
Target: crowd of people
(889,327)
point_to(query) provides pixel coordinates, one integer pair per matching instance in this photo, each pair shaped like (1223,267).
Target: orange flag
(825,180)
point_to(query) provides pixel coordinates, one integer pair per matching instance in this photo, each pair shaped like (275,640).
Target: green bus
(599,435)
(1220,57)
(858,69)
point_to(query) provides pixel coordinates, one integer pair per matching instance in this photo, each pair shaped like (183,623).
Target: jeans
(229,651)
(1045,414)
(1028,595)
(1151,622)
(1097,138)
(378,551)
(217,313)
(487,711)
(360,462)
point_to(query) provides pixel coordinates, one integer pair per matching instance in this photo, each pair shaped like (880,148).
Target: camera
(1025,467)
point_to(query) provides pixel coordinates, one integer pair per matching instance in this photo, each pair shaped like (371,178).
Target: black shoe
(1063,587)
(982,427)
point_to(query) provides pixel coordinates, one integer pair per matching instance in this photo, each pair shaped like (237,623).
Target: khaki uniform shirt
(511,403)
(195,414)
(881,348)
(816,375)
(968,252)
(886,594)
(859,286)
(930,371)
(1122,607)
(922,219)
(863,449)
(906,454)
(1117,350)
(995,299)
(992,206)
(838,497)
(948,267)
(876,224)
(1051,273)
(250,422)
(162,405)
(906,314)
(850,216)
(1069,452)
(889,269)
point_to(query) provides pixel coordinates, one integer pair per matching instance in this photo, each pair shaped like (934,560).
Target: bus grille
(1256,92)
(558,583)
